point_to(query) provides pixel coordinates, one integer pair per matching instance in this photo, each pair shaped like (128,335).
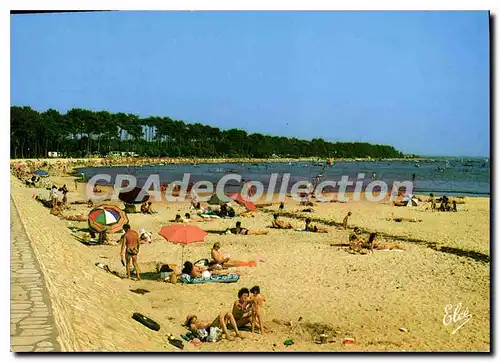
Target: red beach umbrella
(183,234)
(240,200)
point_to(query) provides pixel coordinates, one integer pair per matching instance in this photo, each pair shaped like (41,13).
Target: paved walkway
(32,327)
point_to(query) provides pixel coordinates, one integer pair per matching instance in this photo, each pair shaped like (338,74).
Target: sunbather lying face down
(238,230)
(279,224)
(313,228)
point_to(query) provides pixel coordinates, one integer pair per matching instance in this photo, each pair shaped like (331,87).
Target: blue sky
(415,80)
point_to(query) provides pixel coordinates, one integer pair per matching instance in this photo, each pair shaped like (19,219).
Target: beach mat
(226,278)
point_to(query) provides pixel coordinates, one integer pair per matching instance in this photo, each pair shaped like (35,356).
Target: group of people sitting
(224,211)
(218,264)
(403,200)
(147,208)
(33,181)
(59,195)
(277,223)
(444,204)
(187,218)
(247,310)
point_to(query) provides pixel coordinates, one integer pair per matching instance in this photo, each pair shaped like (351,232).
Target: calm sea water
(459,177)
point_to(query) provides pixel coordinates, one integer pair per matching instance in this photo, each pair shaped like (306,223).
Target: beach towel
(226,278)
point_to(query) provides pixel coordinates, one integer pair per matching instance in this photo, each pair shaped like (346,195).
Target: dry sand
(367,296)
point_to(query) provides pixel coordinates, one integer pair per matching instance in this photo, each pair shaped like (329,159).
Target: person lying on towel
(221,260)
(238,230)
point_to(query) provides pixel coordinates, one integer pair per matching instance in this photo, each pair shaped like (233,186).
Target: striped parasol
(107,217)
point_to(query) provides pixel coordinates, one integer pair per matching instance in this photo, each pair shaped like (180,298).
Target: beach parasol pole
(182,258)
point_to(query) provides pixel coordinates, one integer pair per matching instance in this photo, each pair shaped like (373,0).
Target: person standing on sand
(257,300)
(346,220)
(432,201)
(130,249)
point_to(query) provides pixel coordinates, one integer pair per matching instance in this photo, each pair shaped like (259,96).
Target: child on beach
(346,220)
(257,300)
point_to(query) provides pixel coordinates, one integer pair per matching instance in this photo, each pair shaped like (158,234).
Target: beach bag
(202,334)
(215,334)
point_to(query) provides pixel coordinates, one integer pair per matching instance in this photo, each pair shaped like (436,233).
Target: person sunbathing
(196,325)
(150,208)
(313,228)
(400,219)
(355,241)
(238,230)
(381,246)
(354,235)
(78,202)
(56,210)
(79,217)
(359,245)
(144,236)
(221,260)
(278,224)
(178,218)
(194,271)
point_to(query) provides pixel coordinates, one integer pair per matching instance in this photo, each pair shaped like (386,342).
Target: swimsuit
(133,251)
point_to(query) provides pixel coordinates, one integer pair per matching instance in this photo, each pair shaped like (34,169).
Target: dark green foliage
(82,132)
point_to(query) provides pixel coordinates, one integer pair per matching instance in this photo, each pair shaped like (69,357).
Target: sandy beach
(387,301)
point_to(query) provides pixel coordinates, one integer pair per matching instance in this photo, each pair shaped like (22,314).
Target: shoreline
(69,167)
(124,161)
